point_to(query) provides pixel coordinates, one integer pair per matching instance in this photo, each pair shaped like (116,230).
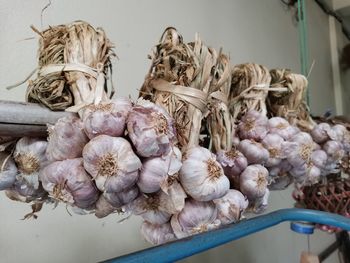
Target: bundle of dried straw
(290,103)
(74,62)
(179,80)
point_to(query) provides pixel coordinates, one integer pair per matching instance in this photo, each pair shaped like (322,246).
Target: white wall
(250,30)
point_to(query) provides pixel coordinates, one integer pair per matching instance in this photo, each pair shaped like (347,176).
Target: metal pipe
(186,247)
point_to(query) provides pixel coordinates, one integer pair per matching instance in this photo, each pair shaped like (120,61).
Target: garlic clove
(108,118)
(201,176)
(8,171)
(196,217)
(157,234)
(111,162)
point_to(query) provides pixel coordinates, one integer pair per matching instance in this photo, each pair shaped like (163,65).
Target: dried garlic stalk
(219,119)
(179,80)
(74,60)
(249,89)
(290,103)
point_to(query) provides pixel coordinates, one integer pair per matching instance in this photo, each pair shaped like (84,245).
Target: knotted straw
(179,80)
(290,103)
(74,62)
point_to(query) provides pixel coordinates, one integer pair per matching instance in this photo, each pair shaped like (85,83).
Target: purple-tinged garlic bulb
(233,162)
(274,144)
(322,132)
(23,192)
(8,171)
(300,153)
(172,197)
(148,207)
(253,126)
(110,202)
(254,152)
(112,163)
(66,139)
(68,181)
(307,174)
(157,234)
(196,217)
(106,118)
(155,170)
(231,206)
(281,126)
(30,157)
(338,132)
(319,158)
(334,151)
(202,176)
(253,181)
(150,129)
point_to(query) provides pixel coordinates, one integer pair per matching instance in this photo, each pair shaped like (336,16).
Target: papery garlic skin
(280,126)
(30,157)
(103,208)
(156,170)
(150,129)
(253,181)
(196,217)
(306,175)
(322,132)
(334,151)
(273,143)
(172,197)
(233,162)
(261,203)
(8,171)
(112,163)
(68,181)
(319,158)
(106,118)
(66,139)
(253,125)
(231,206)
(253,151)
(202,176)
(157,234)
(338,132)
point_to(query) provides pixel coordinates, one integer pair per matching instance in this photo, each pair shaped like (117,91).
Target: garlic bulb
(280,126)
(66,139)
(30,157)
(233,162)
(334,151)
(261,203)
(196,217)
(301,154)
(106,118)
(274,144)
(157,234)
(67,181)
(103,207)
(306,174)
(202,176)
(231,206)
(23,192)
(150,129)
(111,162)
(253,126)
(319,158)
(155,170)
(253,151)
(172,197)
(149,209)
(8,171)
(253,181)
(322,132)
(339,131)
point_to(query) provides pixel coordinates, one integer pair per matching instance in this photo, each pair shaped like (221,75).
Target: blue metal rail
(183,248)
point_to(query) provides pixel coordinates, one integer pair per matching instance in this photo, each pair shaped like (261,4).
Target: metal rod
(183,248)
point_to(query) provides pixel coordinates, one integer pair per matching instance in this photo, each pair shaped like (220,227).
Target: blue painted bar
(186,247)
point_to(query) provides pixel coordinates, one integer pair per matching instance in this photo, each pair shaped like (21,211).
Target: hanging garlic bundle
(219,119)
(30,157)
(202,176)
(196,217)
(155,171)
(112,163)
(231,207)
(74,60)
(66,139)
(108,118)
(157,234)
(8,171)
(249,89)
(148,206)
(179,80)
(68,181)
(288,102)
(150,129)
